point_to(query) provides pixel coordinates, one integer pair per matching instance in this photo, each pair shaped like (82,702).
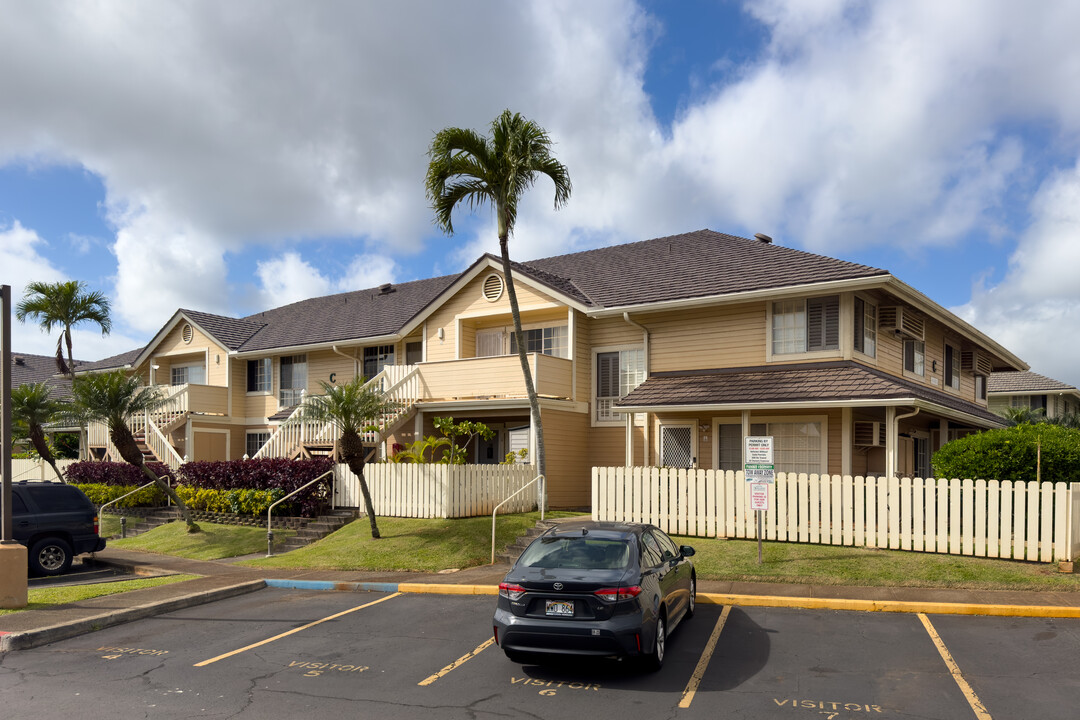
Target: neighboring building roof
(26,369)
(703,263)
(122,360)
(1024,383)
(828,381)
(231,332)
(347,316)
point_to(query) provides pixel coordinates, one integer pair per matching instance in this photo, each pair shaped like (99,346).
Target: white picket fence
(24,469)
(985,518)
(437,491)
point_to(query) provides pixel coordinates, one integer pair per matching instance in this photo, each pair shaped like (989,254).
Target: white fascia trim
(293,349)
(742,297)
(500,404)
(164,331)
(817,405)
(950,320)
(483,264)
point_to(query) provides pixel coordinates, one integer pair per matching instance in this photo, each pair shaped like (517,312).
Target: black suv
(55,522)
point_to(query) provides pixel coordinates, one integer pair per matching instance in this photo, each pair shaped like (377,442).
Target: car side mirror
(686,550)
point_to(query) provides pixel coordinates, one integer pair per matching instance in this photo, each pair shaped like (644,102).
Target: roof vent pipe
(763,238)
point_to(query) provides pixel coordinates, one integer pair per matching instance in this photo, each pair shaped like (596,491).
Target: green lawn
(407,544)
(48,596)
(833,565)
(213,543)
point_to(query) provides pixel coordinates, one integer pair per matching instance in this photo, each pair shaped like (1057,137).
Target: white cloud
(289,278)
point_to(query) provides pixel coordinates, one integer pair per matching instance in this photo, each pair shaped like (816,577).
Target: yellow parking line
(457,663)
(293,631)
(703,662)
(969,693)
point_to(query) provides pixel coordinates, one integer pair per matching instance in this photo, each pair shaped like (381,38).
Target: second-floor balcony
(192,397)
(494,377)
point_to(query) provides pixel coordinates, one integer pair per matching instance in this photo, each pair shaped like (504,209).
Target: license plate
(560,608)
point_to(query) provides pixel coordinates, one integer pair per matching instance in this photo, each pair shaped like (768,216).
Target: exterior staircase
(317,529)
(510,553)
(147,453)
(140,520)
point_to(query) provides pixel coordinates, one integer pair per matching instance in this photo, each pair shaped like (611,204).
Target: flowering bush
(111,473)
(240,502)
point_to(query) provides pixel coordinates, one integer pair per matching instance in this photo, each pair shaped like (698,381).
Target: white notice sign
(759,466)
(759,496)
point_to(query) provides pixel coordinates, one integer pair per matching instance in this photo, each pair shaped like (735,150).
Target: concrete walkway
(222,579)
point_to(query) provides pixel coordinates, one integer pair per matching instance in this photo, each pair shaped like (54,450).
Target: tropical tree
(1023,415)
(352,408)
(112,398)
(32,408)
(466,167)
(64,305)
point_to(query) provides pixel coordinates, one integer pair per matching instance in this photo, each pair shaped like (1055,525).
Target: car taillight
(96,529)
(511,591)
(619,593)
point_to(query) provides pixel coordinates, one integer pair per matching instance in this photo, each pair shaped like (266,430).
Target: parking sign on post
(759,471)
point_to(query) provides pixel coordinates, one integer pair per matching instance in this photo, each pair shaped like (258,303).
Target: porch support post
(745,434)
(629,439)
(646,444)
(418,426)
(943,433)
(891,441)
(845,441)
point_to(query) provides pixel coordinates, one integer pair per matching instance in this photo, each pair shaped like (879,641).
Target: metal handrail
(522,489)
(269,532)
(123,518)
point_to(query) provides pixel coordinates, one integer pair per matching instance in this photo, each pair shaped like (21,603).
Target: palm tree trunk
(129,450)
(530,388)
(37,439)
(352,452)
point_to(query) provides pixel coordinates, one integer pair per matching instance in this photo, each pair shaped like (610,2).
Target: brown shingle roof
(829,381)
(1024,382)
(111,363)
(695,264)
(231,332)
(26,369)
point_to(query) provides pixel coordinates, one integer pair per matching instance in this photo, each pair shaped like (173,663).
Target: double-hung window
(952,367)
(376,358)
(865,327)
(184,374)
(547,341)
(259,375)
(809,325)
(255,441)
(617,373)
(292,380)
(915,357)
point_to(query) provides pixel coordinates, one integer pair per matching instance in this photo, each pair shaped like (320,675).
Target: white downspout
(892,439)
(356,363)
(645,429)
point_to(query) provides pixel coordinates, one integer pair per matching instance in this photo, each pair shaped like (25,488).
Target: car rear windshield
(585,553)
(57,498)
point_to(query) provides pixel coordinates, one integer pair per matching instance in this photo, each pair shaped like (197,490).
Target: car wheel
(50,556)
(691,604)
(655,659)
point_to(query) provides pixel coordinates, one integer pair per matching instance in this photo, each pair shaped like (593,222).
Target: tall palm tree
(465,166)
(64,304)
(33,407)
(351,407)
(112,398)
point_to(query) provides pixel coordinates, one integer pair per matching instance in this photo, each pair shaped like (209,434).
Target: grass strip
(49,596)
(215,542)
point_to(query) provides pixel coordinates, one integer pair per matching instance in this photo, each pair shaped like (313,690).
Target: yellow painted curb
(933,608)
(444,589)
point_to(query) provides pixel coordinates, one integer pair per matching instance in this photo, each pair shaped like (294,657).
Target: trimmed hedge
(1010,454)
(274,474)
(237,502)
(100,493)
(95,472)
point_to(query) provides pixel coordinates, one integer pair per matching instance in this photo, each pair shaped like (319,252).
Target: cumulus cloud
(288,278)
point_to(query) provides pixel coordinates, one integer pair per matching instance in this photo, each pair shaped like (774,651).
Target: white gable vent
(493,287)
(187,334)
(869,434)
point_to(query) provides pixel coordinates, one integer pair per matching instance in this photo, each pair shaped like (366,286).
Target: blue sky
(233,157)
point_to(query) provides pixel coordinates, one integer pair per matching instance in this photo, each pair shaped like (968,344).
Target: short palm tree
(65,305)
(466,167)
(352,408)
(33,407)
(1023,415)
(113,398)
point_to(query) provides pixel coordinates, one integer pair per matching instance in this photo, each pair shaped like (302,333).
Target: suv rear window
(578,552)
(57,498)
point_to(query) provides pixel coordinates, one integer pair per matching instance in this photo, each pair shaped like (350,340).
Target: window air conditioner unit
(976,362)
(903,320)
(869,434)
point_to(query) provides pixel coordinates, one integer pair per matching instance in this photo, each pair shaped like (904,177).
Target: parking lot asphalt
(221,579)
(284,653)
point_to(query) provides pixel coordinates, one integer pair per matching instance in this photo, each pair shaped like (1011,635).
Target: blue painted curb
(330,585)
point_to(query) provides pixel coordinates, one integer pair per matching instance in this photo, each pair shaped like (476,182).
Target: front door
(487,451)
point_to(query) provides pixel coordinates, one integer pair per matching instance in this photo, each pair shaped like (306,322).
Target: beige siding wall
(583,358)
(607,446)
(705,338)
(172,350)
(569,459)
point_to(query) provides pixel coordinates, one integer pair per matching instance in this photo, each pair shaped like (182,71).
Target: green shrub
(240,502)
(100,493)
(1011,454)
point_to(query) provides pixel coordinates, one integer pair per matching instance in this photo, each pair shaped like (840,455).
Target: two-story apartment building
(666,351)
(1032,391)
